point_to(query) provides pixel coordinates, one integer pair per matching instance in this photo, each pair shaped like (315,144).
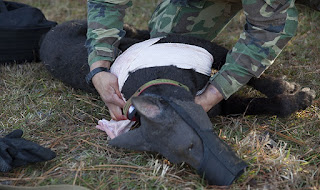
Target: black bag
(21,28)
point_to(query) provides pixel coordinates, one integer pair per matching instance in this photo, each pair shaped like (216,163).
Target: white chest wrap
(147,54)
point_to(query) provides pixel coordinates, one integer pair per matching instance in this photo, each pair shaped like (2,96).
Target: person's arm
(269,27)
(105,29)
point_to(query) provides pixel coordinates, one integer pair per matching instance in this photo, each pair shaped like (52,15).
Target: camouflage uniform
(105,28)
(270,24)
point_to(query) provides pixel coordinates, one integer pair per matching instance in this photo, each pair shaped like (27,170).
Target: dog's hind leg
(134,33)
(281,105)
(64,54)
(271,86)
(132,36)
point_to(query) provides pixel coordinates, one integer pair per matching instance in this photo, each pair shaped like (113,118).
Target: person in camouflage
(270,24)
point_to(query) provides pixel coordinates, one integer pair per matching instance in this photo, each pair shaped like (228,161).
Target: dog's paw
(290,87)
(305,97)
(290,103)
(310,92)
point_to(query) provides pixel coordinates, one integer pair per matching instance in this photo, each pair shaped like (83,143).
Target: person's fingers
(108,88)
(117,117)
(116,88)
(117,96)
(116,112)
(118,101)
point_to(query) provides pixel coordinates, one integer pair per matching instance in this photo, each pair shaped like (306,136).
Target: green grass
(59,117)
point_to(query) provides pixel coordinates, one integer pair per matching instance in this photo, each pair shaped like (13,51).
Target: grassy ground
(63,119)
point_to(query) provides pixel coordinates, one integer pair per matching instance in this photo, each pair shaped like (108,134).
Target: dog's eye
(190,147)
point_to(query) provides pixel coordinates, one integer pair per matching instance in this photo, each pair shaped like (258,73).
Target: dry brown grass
(282,153)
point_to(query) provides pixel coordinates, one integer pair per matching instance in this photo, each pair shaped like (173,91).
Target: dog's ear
(148,106)
(133,140)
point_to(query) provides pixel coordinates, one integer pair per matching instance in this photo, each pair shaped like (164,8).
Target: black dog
(171,123)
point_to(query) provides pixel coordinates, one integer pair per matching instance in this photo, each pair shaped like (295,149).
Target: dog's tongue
(114,128)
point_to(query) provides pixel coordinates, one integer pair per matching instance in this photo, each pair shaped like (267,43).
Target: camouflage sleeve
(105,28)
(270,24)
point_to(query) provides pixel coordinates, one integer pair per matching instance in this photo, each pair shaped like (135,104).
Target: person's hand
(107,86)
(209,98)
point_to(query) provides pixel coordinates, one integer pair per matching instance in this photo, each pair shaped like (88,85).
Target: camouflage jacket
(270,24)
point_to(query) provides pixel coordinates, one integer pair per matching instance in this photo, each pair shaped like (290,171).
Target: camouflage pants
(204,19)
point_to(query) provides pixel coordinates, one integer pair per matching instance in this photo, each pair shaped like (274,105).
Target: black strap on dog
(220,165)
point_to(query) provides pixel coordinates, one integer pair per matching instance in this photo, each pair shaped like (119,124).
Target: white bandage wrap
(147,54)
